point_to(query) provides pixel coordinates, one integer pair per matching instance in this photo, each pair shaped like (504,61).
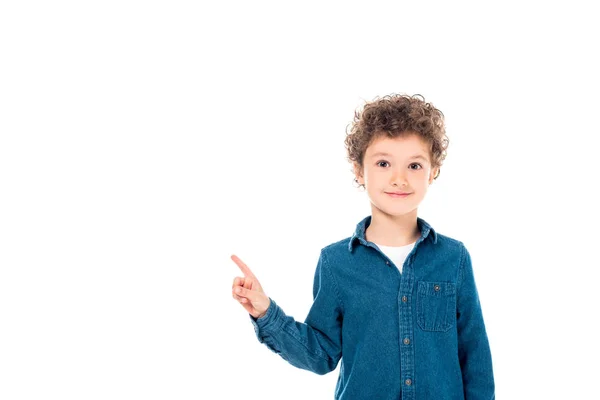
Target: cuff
(269,321)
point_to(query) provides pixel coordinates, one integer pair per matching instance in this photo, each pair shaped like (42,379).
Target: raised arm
(314,345)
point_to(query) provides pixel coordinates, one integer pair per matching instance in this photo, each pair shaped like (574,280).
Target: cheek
(370,173)
(422,178)
(420,174)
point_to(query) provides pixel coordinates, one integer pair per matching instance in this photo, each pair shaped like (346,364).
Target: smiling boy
(396,303)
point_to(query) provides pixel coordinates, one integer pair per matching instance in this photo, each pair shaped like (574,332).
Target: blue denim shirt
(416,335)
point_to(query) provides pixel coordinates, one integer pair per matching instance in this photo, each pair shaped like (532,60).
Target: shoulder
(337,246)
(448,250)
(448,242)
(455,250)
(337,250)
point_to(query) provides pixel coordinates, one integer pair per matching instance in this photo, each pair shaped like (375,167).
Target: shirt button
(404,299)
(406,341)
(436,288)
(387,262)
(408,382)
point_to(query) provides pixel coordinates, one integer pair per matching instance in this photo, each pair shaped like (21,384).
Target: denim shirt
(412,336)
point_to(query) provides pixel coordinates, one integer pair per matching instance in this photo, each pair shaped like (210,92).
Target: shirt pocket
(436,305)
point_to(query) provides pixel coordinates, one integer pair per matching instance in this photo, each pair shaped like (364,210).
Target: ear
(433,174)
(358,173)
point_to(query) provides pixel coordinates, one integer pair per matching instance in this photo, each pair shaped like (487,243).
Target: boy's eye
(419,166)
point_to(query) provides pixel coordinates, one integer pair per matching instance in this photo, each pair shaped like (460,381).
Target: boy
(396,301)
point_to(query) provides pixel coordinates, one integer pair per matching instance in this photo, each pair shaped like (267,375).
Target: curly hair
(396,115)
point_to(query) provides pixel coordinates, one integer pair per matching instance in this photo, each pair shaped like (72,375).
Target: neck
(395,231)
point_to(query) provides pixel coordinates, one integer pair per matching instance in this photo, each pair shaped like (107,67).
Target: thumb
(260,301)
(252,295)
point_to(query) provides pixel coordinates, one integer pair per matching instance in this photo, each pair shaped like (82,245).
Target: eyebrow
(384,154)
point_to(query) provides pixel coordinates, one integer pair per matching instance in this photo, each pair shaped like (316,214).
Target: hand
(248,292)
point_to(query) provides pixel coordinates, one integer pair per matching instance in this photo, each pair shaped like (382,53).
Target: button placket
(407,363)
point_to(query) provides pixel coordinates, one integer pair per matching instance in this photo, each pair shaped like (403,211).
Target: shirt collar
(361,227)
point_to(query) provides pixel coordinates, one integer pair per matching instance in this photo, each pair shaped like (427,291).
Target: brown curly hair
(395,115)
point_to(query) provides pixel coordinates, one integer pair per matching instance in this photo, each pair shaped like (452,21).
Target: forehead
(402,147)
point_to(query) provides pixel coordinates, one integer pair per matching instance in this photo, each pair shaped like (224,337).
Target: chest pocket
(436,305)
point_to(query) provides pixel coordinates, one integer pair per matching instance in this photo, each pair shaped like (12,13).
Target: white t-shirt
(397,254)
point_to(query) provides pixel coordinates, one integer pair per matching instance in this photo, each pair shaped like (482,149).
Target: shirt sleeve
(473,346)
(315,344)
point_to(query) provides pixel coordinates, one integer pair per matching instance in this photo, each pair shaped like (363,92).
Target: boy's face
(406,167)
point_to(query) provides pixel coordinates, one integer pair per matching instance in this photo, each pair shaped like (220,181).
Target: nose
(399,178)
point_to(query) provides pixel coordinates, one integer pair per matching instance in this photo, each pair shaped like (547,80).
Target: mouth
(398,195)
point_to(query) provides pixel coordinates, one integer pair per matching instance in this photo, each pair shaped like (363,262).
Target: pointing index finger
(242,266)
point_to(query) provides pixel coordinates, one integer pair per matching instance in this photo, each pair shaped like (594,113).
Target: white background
(143,143)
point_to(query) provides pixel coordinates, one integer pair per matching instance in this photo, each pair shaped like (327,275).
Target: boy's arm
(473,346)
(314,345)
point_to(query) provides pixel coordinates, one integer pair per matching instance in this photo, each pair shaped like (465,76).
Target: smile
(398,195)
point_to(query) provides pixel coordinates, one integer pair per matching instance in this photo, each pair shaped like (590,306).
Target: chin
(396,212)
